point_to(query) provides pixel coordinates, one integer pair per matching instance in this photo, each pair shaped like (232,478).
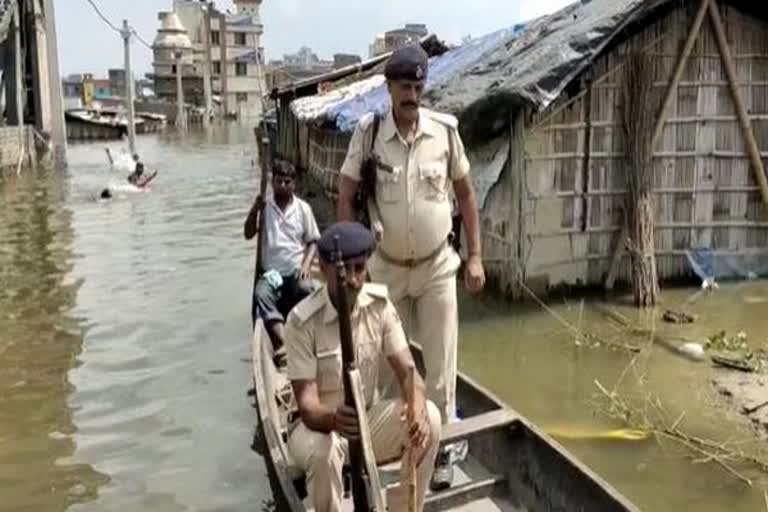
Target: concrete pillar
(207,68)
(129,107)
(12,74)
(38,38)
(224,64)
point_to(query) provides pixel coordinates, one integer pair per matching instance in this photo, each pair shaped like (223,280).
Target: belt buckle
(410,262)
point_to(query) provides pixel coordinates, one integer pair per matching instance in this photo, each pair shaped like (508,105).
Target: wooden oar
(622,434)
(265,161)
(408,463)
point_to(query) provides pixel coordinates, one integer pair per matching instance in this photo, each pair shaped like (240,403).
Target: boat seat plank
(452,433)
(463,494)
(468,427)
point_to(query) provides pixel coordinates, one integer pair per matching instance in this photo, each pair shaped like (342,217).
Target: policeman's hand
(345,423)
(474,274)
(305,274)
(418,425)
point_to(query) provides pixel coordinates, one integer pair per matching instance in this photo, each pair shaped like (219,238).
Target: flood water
(124,338)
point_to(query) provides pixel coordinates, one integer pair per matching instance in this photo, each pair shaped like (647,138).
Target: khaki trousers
(425,298)
(322,455)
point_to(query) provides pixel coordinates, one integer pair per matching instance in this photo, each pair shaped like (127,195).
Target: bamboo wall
(572,189)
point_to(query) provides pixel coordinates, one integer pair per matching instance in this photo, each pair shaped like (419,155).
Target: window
(240,38)
(241,97)
(216,67)
(241,69)
(215,38)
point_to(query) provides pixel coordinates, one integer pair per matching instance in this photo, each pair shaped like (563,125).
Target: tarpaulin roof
(346,105)
(486,80)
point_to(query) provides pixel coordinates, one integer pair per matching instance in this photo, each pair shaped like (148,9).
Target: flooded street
(124,339)
(123,334)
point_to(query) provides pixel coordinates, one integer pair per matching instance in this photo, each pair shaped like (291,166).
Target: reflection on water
(39,343)
(534,364)
(124,325)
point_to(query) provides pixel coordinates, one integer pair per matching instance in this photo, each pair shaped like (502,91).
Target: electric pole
(126,33)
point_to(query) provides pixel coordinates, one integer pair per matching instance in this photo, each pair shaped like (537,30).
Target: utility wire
(114,27)
(141,40)
(104,18)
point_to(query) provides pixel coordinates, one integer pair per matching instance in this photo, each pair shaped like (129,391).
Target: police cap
(407,63)
(354,241)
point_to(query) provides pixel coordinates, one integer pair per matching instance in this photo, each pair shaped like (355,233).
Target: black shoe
(442,478)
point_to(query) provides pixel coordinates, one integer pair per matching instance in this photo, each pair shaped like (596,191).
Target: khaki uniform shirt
(414,200)
(314,348)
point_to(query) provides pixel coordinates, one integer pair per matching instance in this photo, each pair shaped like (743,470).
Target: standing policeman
(418,157)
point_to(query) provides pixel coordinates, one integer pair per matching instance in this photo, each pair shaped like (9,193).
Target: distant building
(231,42)
(342,60)
(72,88)
(397,38)
(117,82)
(296,66)
(101,87)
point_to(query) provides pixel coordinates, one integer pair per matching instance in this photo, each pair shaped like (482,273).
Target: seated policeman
(318,443)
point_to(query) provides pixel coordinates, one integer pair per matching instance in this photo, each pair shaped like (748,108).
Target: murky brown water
(123,326)
(534,365)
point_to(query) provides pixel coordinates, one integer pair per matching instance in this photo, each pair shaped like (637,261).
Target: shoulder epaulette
(446,119)
(308,307)
(376,290)
(366,120)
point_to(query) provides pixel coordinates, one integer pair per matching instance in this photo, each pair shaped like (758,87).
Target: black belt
(415,262)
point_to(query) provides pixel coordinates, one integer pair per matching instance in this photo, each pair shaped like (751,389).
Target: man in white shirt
(290,244)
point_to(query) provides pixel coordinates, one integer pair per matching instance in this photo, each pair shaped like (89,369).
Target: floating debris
(678,317)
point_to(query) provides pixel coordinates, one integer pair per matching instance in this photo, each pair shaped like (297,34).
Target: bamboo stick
(678,74)
(408,464)
(618,252)
(741,111)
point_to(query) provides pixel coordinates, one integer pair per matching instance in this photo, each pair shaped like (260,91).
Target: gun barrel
(357,459)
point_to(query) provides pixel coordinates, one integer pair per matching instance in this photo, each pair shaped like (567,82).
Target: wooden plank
(493,420)
(746,127)
(684,55)
(463,494)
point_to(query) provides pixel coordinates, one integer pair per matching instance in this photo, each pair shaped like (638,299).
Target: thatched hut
(539,110)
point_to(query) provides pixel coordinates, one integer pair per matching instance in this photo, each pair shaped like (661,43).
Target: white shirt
(287,234)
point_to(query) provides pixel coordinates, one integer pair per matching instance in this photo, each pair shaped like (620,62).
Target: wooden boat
(510,464)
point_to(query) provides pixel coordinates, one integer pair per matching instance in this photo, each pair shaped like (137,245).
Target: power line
(141,40)
(104,18)
(114,27)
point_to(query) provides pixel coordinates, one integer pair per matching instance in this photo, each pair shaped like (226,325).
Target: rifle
(408,463)
(366,487)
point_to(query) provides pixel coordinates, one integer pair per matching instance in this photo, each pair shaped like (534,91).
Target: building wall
(11,144)
(224,54)
(574,179)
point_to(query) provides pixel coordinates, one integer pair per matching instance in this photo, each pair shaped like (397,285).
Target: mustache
(409,104)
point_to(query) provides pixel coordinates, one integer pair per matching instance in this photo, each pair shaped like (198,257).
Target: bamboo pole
(741,111)
(408,464)
(678,74)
